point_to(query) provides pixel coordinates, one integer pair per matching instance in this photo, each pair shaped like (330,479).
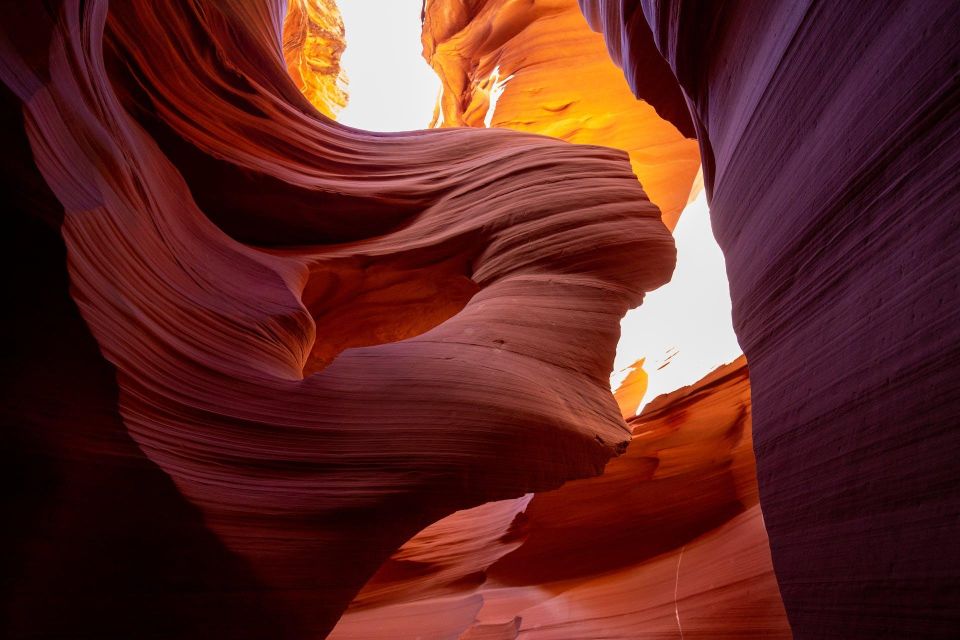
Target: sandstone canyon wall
(264,367)
(537,67)
(564,564)
(830,135)
(669,539)
(259,351)
(313,41)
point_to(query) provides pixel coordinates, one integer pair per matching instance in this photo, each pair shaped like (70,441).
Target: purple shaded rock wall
(830,139)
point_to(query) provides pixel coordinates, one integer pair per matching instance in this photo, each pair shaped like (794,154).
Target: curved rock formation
(325,338)
(829,134)
(537,67)
(669,538)
(215,428)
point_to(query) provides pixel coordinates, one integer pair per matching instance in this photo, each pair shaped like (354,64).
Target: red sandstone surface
(325,338)
(669,538)
(264,369)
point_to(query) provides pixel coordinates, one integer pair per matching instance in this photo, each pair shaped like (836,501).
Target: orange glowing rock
(630,393)
(313,41)
(670,538)
(538,67)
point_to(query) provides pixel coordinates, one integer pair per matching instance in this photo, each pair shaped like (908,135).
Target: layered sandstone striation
(537,67)
(256,352)
(670,538)
(303,343)
(830,136)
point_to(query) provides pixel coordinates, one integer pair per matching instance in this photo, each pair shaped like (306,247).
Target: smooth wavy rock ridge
(829,135)
(298,344)
(670,538)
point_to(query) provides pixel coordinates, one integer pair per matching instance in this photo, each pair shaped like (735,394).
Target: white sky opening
(684,329)
(391,87)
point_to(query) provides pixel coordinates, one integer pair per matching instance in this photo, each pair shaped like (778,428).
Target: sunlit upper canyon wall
(313,43)
(538,67)
(268,369)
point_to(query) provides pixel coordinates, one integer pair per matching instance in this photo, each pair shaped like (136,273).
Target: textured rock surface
(305,343)
(537,67)
(830,140)
(313,41)
(670,538)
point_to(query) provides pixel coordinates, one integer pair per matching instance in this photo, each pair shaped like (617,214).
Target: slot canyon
(481,319)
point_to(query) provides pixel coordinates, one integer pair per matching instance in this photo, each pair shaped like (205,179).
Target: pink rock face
(829,134)
(320,340)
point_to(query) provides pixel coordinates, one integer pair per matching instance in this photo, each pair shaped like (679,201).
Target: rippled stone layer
(322,339)
(670,538)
